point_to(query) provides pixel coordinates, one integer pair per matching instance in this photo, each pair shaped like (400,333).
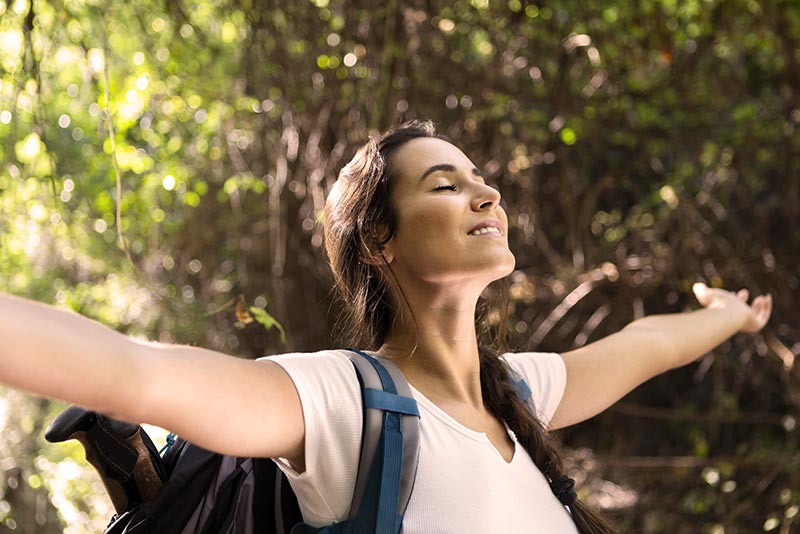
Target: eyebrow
(447,167)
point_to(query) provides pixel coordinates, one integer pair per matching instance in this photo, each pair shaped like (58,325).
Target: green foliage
(639,146)
(267,321)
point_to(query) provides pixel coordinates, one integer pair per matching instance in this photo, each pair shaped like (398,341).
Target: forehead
(416,156)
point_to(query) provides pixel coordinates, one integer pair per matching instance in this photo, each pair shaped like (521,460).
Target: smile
(490,230)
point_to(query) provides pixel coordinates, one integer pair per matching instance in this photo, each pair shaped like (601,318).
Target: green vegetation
(160,160)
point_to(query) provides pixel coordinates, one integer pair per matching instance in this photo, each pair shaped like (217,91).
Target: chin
(504,266)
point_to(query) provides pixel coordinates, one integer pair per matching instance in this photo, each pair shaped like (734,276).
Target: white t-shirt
(463,484)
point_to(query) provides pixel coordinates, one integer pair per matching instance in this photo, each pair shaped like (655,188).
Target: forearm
(684,337)
(601,373)
(63,355)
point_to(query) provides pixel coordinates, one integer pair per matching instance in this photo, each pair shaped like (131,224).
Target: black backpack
(194,491)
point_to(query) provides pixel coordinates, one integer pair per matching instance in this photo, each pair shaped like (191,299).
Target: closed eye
(451,187)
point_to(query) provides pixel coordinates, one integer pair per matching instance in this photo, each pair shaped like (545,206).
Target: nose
(485,198)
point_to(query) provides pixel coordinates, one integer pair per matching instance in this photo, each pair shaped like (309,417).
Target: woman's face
(439,196)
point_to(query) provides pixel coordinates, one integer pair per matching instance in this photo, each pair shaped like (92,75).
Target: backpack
(190,490)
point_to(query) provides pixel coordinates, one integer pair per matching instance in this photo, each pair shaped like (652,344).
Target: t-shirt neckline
(450,421)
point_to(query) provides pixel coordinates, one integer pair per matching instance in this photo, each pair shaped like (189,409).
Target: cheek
(435,222)
(432,229)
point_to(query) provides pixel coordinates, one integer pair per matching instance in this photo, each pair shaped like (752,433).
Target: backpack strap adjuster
(389,402)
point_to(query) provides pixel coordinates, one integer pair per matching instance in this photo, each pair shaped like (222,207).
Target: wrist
(735,316)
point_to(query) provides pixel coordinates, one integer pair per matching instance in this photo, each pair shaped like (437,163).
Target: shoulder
(324,358)
(315,373)
(546,376)
(541,365)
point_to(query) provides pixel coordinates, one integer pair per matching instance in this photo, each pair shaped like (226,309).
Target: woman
(414,235)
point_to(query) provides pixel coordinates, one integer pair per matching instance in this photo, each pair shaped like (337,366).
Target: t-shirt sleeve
(546,376)
(331,400)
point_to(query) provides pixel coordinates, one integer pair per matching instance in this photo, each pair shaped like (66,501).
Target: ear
(377,254)
(374,252)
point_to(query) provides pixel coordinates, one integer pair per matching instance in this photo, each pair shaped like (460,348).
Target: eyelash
(451,187)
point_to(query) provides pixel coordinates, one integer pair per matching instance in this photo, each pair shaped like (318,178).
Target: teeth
(485,230)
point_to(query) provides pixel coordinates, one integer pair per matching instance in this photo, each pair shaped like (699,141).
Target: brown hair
(359,220)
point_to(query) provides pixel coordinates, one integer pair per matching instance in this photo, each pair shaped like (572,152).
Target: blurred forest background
(640,146)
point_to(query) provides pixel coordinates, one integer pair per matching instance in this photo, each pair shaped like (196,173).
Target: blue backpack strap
(390,445)
(389,451)
(522,389)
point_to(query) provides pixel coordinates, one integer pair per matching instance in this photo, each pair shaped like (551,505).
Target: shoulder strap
(389,446)
(521,387)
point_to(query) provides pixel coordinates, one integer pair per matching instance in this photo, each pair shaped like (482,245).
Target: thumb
(702,293)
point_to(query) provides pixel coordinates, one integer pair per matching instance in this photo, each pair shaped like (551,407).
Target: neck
(439,356)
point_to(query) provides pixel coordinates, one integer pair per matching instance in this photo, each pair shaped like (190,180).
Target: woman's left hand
(754,315)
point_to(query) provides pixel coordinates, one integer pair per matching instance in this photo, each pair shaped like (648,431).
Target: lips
(490,223)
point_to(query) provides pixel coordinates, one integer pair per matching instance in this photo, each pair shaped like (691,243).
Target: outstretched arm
(601,373)
(222,403)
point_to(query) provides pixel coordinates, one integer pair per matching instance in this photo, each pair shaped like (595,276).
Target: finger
(698,287)
(743,294)
(764,309)
(701,292)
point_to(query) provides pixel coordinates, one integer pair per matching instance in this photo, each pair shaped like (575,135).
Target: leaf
(267,321)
